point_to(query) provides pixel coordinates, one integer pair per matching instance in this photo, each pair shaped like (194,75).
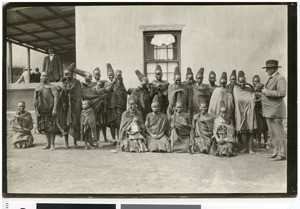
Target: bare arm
(55,95)
(34,103)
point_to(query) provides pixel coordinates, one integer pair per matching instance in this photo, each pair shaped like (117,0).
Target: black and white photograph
(150,99)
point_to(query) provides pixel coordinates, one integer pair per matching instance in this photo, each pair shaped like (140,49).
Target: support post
(28,64)
(10,66)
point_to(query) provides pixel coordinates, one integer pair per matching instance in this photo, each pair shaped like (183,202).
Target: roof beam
(25,45)
(41,25)
(51,39)
(60,16)
(41,20)
(52,44)
(37,31)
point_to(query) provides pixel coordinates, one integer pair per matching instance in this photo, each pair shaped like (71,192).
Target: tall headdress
(241,74)
(118,72)
(224,76)
(71,68)
(109,68)
(201,71)
(223,105)
(212,73)
(158,68)
(79,72)
(176,71)
(140,75)
(189,71)
(233,73)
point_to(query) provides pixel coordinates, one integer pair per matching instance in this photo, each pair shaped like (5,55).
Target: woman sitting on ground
(224,137)
(157,129)
(125,143)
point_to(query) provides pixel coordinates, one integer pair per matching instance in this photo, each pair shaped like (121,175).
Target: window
(161,48)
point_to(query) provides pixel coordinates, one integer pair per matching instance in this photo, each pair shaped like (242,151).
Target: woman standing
(245,117)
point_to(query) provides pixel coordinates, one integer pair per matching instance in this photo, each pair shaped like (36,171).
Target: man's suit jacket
(54,68)
(273,105)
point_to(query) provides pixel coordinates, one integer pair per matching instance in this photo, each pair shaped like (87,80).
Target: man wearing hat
(53,66)
(273,108)
(190,81)
(177,92)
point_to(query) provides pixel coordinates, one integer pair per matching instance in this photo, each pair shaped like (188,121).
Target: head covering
(212,72)
(222,105)
(176,71)
(201,71)
(158,68)
(155,100)
(140,75)
(224,75)
(241,74)
(272,64)
(71,68)
(109,70)
(256,76)
(96,69)
(233,73)
(189,71)
(118,72)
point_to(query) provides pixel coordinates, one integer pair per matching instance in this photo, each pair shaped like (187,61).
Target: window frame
(178,60)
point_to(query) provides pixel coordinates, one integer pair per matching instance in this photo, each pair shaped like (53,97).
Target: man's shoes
(278,158)
(272,156)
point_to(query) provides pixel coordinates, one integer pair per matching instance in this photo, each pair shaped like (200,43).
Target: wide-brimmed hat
(272,64)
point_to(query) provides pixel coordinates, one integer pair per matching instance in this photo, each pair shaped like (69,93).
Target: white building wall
(219,38)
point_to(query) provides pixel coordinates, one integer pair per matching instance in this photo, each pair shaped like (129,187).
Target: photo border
(292,107)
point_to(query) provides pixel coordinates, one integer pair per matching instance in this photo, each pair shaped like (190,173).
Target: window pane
(161,47)
(167,68)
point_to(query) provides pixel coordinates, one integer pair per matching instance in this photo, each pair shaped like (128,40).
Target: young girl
(135,136)
(88,124)
(223,134)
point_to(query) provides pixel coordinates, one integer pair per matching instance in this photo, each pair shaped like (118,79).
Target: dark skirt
(47,124)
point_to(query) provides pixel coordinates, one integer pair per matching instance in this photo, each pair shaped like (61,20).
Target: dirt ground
(100,171)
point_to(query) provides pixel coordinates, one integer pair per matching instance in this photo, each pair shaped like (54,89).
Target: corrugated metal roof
(42,26)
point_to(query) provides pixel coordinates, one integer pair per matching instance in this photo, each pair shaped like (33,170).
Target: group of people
(33,76)
(187,116)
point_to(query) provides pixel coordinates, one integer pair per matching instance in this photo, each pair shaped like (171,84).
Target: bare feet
(251,152)
(52,149)
(47,146)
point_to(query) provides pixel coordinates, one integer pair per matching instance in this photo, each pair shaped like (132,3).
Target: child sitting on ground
(88,124)
(134,133)
(224,144)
